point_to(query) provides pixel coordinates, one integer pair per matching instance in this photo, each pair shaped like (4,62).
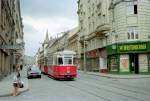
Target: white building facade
(115,35)
(128,49)
(93,29)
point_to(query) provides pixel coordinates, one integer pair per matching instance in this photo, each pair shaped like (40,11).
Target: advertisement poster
(113,63)
(124,63)
(143,62)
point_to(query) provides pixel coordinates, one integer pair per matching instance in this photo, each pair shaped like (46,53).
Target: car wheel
(29,77)
(39,76)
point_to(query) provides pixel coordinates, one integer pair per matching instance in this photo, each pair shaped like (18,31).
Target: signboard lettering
(135,47)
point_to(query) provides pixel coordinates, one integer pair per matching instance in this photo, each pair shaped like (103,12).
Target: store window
(143,62)
(124,63)
(132,8)
(132,33)
(113,63)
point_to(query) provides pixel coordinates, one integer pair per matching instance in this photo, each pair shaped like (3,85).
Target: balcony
(102,29)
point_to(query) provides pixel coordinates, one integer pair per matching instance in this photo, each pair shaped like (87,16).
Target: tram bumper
(67,76)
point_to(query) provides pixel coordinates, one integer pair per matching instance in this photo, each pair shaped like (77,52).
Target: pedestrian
(78,64)
(21,66)
(13,67)
(16,82)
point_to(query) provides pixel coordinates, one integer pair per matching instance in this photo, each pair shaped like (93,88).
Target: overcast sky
(39,15)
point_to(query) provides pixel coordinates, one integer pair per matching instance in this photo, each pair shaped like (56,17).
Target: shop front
(97,60)
(131,58)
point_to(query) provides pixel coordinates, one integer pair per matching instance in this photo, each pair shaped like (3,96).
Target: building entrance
(134,63)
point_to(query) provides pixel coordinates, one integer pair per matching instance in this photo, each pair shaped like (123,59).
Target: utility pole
(84,46)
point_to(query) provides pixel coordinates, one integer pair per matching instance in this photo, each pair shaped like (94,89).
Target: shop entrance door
(134,63)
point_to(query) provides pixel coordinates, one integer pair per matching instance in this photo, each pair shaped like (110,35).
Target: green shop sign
(128,47)
(134,47)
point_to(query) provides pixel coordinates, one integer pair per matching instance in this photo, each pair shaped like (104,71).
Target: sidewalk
(118,76)
(6,86)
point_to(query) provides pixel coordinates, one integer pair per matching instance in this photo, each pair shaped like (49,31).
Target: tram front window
(67,61)
(60,61)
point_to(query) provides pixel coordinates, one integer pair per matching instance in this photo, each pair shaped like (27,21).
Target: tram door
(134,63)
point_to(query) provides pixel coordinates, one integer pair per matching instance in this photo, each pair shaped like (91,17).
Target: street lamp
(84,46)
(19,46)
(15,50)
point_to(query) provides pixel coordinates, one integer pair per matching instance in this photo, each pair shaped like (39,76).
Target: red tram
(62,65)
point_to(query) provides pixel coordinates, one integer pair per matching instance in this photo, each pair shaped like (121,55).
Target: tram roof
(65,52)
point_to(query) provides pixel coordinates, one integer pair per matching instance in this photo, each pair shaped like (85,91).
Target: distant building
(28,60)
(64,41)
(73,44)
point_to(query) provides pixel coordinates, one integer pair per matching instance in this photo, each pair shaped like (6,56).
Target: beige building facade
(93,29)
(56,44)
(10,15)
(74,45)
(129,38)
(115,35)
(18,34)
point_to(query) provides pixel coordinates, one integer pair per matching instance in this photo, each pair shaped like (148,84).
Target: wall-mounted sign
(134,47)
(113,46)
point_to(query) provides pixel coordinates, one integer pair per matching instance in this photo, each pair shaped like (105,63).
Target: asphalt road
(85,88)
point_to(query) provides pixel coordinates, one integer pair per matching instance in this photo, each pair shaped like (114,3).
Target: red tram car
(62,65)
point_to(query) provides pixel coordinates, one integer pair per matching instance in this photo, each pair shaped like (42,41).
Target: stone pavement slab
(6,85)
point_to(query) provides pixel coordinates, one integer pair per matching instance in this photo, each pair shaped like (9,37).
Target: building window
(99,6)
(93,25)
(132,33)
(132,7)
(90,28)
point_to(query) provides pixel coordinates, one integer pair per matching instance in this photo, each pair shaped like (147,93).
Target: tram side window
(60,61)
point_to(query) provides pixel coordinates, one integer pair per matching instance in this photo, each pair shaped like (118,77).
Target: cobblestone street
(85,88)
(95,50)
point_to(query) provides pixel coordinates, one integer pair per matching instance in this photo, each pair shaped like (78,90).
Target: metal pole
(84,57)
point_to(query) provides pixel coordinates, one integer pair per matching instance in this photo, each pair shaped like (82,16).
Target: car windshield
(35,68)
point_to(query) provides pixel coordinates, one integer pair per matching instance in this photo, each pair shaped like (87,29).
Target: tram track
(114,84)
(65,83)
(87,86)
(87,91)
(95,89)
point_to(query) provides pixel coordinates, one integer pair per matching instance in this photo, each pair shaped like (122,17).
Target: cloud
(40,8)
(35,30)
(32,38)
(53,24)
(39,15)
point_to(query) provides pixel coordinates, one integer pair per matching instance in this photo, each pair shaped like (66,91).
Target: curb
(115,77)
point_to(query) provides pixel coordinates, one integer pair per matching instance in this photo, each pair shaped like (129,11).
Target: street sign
(13,47)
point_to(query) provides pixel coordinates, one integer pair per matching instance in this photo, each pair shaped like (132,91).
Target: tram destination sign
(132,47)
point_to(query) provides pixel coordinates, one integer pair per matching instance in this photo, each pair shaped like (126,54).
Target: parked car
(33,71)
